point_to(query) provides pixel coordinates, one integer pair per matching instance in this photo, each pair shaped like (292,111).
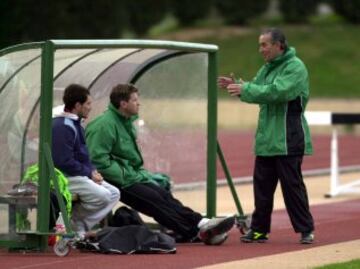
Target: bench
(16,202)
(24,202)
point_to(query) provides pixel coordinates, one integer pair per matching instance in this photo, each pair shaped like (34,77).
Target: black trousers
(161,205)
(287,169)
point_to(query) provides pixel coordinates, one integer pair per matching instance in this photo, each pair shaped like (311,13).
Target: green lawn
(354,264)
(330,52)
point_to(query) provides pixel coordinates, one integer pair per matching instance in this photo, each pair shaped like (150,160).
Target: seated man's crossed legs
(95,202)
(169,212)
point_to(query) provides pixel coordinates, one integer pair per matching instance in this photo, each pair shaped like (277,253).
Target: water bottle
(60,225)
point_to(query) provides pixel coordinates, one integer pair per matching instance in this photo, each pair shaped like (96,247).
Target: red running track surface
(182,154)
(237,148)
(336,222)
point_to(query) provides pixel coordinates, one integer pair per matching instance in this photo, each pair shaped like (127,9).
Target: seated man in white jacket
(70,155)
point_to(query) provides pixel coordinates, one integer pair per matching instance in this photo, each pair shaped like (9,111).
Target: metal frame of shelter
(38,239)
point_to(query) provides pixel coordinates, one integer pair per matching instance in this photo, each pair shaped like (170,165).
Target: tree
(92,19)
(34,20)
(189,11)
(297,11)
(348,9)
(143,14)
(239,12)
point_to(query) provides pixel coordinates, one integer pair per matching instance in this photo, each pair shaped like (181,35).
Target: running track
(182,155)
(237,149)
(329,229)
(335,223)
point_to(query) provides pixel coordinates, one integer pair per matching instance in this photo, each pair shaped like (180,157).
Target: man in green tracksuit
(111,139)
(281,88)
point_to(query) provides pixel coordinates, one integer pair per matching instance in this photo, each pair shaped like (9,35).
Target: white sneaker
(81,235)
(216,240)
(215,227)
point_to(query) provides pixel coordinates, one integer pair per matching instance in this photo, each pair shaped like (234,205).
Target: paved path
(301,259)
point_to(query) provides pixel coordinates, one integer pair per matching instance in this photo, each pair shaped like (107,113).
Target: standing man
(114,151)
(71,157)
(281,88)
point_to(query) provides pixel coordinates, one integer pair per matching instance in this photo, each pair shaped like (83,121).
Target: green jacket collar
(112,108)
(289,53)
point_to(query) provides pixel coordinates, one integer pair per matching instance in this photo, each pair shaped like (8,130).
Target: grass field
(354,264)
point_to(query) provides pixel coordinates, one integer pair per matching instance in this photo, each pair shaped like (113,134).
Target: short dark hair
(121,92)
(75,93)
(277,36)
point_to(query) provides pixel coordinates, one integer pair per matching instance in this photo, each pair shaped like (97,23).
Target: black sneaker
(253,236)
(307,238)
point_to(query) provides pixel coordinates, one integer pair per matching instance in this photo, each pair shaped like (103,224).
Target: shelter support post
(212,136)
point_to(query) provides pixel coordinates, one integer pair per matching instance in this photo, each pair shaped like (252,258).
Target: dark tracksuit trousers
(287,169)
(160,204)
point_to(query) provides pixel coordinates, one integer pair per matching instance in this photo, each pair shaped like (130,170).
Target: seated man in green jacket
(111,139)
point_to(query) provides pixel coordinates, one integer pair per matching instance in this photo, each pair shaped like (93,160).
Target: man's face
(131,107)
(83,110)
(268,49)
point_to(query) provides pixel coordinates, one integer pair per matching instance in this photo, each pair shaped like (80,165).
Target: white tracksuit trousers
(95,202)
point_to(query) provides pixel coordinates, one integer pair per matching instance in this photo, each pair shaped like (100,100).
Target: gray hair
(277,36)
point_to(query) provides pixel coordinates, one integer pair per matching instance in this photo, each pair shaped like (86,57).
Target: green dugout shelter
(177,126)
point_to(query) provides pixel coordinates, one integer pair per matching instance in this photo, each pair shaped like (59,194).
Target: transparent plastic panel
(172,130)
(12,62)
(121,72)
(87,69)
(65,57)
(19,136)
(173,126)
(173,118)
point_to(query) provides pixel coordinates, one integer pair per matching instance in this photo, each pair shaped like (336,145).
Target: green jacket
(111,140)
(281,88)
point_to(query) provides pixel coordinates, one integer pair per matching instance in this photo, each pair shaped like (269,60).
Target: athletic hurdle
(328,118)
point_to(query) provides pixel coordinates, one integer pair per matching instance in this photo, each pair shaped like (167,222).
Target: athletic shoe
(214,227)
(253,236)
(307,238)
(216,240)
(180,238)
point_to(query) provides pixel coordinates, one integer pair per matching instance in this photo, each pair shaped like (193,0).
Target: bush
(349,9)
(79,18)
(239,12)
(34,20)
(189,11)
(297,11)
(143,14)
